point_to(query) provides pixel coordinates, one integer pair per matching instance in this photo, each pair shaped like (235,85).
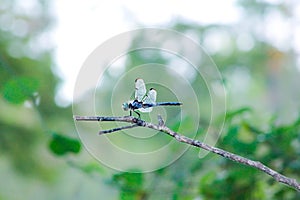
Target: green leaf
(231,135)
(130,184)
(234,113)
(127,195)
(127,180)
(61,145)
(17,90)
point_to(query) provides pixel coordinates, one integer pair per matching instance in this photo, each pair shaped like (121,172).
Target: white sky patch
(296,11)
(81,27)
(206,12)
(278,30)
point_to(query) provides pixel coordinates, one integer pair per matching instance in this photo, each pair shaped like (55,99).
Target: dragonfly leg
(137,114)
(130,113)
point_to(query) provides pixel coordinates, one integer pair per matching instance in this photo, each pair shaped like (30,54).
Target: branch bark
(180,138)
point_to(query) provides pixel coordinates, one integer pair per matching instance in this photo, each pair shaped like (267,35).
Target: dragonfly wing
(149,99)
(140,89)
(151,96)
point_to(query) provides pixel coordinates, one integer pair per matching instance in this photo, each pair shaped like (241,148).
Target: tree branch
(161,127)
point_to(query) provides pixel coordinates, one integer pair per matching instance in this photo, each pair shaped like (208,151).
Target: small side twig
(160,121)
(117,129)
(161,127)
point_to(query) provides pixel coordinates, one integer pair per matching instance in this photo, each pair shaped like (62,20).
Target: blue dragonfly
(144,102)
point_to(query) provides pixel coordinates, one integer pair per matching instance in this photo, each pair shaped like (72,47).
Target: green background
(41,155)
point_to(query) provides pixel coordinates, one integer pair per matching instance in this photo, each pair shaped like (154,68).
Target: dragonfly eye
(125,106)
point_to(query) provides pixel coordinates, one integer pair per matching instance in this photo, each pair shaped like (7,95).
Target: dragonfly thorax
(132,105)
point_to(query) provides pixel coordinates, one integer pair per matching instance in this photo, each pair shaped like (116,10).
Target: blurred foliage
(218,178)
(262,123)
(29,114)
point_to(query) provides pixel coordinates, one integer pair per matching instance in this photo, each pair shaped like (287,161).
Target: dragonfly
(144,102)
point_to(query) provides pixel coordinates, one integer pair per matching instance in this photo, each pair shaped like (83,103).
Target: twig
(161,127)
(117,129)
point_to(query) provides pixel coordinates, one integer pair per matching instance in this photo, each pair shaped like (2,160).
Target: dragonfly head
(125,106)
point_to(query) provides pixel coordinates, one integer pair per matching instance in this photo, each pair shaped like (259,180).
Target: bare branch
(161,127)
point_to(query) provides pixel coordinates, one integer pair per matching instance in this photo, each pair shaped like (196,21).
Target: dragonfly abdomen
(149,105)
